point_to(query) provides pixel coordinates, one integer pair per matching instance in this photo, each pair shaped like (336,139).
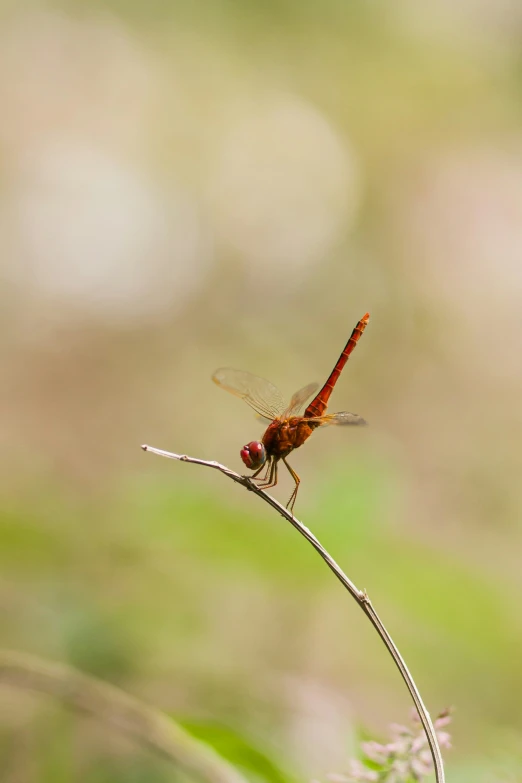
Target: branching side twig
(359,595)
(150,727)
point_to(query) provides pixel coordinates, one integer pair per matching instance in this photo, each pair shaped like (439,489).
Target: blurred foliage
(232,745)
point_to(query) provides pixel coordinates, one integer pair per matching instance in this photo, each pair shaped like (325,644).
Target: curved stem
(359,596)
(150,727)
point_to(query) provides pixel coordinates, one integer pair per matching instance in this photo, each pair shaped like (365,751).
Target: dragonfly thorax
(253,455)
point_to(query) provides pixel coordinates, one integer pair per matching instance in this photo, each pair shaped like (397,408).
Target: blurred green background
(190,185)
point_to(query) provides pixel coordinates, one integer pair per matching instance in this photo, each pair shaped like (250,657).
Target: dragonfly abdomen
(320,402)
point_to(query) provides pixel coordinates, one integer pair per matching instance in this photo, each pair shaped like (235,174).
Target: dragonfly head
(253,455)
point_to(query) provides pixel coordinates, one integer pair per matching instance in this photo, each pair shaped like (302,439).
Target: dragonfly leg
(297,480)
(264,478)
(272,480)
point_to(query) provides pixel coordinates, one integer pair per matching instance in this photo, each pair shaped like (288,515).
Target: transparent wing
(260,394)
(342,419)
(299,399)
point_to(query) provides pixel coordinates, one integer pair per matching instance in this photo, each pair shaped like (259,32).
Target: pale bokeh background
(189,185)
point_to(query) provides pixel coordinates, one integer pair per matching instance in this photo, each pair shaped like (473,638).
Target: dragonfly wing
(299,399)
(260,394)
(342,419)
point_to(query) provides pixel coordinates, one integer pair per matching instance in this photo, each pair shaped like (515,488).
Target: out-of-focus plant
(405,759)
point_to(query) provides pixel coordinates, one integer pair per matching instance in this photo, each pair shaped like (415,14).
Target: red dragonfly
(287,430)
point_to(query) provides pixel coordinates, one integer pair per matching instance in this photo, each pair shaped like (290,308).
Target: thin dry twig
(359,595)
(150,727)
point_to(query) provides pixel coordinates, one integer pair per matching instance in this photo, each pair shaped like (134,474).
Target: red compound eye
(253,455)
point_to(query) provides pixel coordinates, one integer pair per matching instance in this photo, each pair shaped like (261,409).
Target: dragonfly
(287,429)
